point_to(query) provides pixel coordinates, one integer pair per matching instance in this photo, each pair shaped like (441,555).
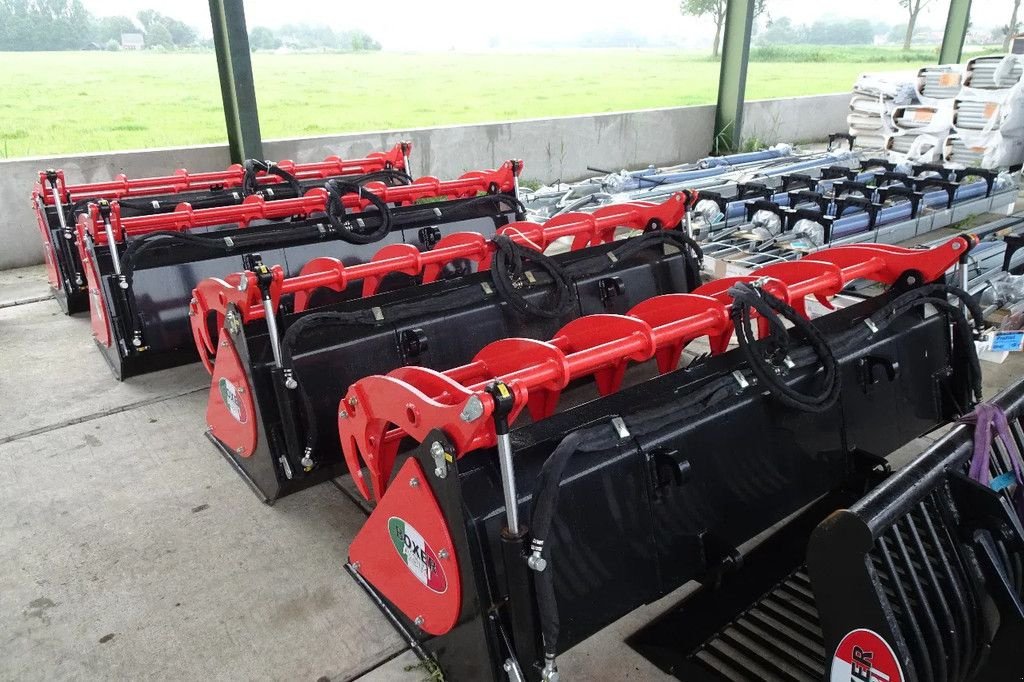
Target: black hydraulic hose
(508,269)
(598,438)
(389,176)
(938,296)
(497,199)
(691,251)
(341,221)
(768,367)
(250,182)
(136,247)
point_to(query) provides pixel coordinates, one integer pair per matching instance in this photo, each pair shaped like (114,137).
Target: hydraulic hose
(341,221)
(250,181)
(508,269)
(211,242)
(389,176)
(769,366)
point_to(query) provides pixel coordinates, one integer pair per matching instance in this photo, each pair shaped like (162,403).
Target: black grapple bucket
(58,204)
(515,515)
(142,282)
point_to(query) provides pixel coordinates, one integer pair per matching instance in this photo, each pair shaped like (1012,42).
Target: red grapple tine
(827,276)
(181,180)
(663,310)
(582,238)
(471,245)
(407,262)
(719,289)
(596,330)
(506,356)
(323,265)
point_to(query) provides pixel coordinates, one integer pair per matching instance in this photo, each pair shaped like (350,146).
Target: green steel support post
(732,81)
(956,30)
(231,42)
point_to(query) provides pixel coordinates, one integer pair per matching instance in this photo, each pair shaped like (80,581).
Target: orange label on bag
(990,109)
(923,115)
(949,80)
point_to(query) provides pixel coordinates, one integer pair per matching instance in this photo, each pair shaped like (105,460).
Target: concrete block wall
(552,148)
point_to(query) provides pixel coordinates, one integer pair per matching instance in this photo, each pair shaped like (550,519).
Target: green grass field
(70,102)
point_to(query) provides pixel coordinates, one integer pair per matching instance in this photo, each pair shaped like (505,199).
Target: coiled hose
(250,179)
(767,357)
(508,268)
(341,221)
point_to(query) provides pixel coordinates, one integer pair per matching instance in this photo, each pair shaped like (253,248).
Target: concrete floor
(130,549)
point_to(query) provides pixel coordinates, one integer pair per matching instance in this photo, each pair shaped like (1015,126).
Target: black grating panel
(777,640)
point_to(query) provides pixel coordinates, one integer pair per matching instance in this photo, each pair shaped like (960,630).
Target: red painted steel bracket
(230,410)
(406,550)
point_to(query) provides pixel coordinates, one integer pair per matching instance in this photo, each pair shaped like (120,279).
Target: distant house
(132,41)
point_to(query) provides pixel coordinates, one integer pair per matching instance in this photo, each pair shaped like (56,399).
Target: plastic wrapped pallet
(875,96)
(921,118)
(978,115)
(996,72)
(983,151)
(938,83)
(963,150)
(915,147)
(988,114)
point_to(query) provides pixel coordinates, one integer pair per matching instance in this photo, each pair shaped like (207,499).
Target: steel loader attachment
(141,270)
(923,579)
(58,205)
(516,514)
(920,579)
(283,349)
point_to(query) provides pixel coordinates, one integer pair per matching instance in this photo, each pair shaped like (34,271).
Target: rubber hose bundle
(768,366)
(339,219)
(508,269)
(139,246)
(389,176)
(598,438)
(250,180)
(497,199)
(938,295)
(688,247)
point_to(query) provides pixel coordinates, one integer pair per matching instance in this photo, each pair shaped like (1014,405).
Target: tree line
(833,31)
(66,25)
(28,25)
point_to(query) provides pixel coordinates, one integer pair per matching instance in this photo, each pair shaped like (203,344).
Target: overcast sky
(466,24)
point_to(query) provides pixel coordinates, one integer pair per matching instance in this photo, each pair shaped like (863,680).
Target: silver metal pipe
(275,340)
(60,211)
(112,244)
(508,482)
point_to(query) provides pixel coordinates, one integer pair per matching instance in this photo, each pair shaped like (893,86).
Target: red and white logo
(863,656)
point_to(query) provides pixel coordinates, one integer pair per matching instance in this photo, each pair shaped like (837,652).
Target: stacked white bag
(988,114)
(875,97)
(920,130)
